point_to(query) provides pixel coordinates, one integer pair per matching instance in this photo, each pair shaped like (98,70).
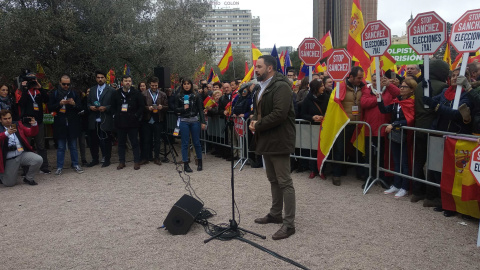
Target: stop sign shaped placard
(310,51)
(427,33)
(465,36)
(475,164)
(339,64)
(376,38)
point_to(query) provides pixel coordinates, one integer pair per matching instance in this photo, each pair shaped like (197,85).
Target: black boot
(186,167)
(200,165)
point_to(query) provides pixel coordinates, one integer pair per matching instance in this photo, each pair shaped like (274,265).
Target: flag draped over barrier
(460,191)
(226,59)
(335,120)
(358,139)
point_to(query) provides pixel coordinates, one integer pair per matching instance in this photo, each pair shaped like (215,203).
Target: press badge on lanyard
(63,109)
(35,106)
(19,148)
(124,107)
(177,129)
(354,110)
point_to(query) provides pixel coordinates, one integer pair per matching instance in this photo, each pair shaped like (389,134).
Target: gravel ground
(109,219)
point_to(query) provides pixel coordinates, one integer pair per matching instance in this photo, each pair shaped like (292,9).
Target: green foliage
(81,36)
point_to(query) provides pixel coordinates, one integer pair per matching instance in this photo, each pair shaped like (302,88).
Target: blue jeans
(398,181)
(186,129)
(72,146)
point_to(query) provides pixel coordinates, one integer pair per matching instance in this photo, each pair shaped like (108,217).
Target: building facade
(334,16)
(235,25)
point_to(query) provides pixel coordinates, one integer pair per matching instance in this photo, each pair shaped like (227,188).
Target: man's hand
(252,126)
(71,101)
(33,121)
(204,127)
(93,108)
(317,118)
(102,108)
(388,129)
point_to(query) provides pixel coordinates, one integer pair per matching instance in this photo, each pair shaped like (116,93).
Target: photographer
(15,151)
(31,105)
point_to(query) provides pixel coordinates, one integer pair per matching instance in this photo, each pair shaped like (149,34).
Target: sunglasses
(65,84)
(403,86)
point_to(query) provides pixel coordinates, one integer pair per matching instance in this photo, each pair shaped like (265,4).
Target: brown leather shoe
(157,161)
(143,162)
(283,232)
(268,219)
(121,166)
(136,166)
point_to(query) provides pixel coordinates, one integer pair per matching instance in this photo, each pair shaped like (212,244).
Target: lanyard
(33,97)
(124,97)
(154,98)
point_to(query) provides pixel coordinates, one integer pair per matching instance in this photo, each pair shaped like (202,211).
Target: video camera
(29,77)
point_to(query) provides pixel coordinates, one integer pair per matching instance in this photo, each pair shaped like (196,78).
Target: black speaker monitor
(182,215)
(163,74)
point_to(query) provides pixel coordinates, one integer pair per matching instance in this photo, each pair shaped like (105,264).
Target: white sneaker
(58,172)
(391,190)
(78,169)
(402,192)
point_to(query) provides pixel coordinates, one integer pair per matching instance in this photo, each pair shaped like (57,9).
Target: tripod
(232,231)
(171,149)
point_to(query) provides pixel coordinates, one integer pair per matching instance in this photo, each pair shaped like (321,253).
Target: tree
(81,36)
(236,70)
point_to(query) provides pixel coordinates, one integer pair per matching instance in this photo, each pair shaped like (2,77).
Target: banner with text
(404,55)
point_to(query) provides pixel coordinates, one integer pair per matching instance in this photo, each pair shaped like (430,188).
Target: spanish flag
(447,56)
(44,81)
(354,43)
(111,76)
(358,138)
(248,77)
(319,68)
(335,120)
(226,59)
(202,69)
(459,190)
(209,102)
(327,44)
(126,70)
(457,62)
(255,54)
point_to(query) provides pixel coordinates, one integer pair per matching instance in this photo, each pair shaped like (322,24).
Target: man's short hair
(269,61)
(100,72)
(354,71)
(65,76)
(292,70)
(5,112)
(126,77)
(154,80)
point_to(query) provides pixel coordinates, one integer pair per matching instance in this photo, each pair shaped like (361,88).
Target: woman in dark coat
(313,109)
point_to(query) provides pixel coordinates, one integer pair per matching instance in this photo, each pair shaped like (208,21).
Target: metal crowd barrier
(433,160)
(306,144)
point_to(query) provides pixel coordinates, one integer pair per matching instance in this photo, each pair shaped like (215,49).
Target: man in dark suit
(66,104)
(100,120)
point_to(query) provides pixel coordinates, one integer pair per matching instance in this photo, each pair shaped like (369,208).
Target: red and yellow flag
(255,54)
(44,81)
(226,59)
(248,77)
(446,56)
(460,191)
(335,120)
(209,102)
(354,43)
(358,138)
(327,44)
(212,77)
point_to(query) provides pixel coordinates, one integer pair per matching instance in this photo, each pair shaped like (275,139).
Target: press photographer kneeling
(15,150)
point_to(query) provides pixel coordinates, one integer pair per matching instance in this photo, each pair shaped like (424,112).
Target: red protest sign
(376,38)
(465,36)
(239,124)
(475,164)
(310,51)
(427,33)
(339,64)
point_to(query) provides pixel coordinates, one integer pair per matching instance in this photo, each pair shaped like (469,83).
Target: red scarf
(450,93)
(408,109)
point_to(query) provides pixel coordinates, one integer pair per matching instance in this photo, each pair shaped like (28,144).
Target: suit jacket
(22,133)
(161,100)
(105,100)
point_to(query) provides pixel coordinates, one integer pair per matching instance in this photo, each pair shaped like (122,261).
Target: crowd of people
(105,114)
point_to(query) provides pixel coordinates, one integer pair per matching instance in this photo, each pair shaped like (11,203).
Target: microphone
(185,100)
(96,103)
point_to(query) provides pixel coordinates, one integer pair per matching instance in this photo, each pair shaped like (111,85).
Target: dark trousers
(132,134)
(151,140)
(100,139)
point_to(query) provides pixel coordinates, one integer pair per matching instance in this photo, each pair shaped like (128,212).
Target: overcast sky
(287,22)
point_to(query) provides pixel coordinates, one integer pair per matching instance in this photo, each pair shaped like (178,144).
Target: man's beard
(261,77)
